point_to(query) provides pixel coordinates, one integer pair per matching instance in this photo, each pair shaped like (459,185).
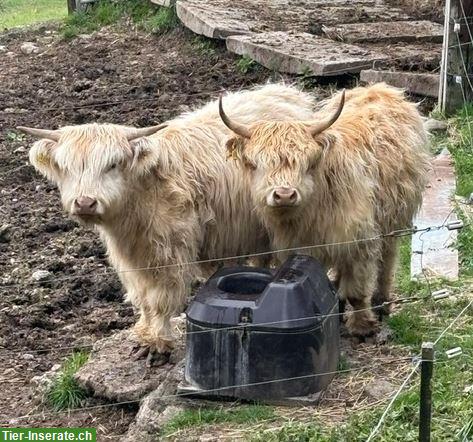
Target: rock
(470,199)
(392,31)
(114,374)
(378,389)
(133,434)
(41,275)
(3,49)
(28,356)
(47,40)
(433,125)
(29,48)
(5,231)
(42,384)
(221,18)
(21,149)
(165,3)
(416,83)
(300,53)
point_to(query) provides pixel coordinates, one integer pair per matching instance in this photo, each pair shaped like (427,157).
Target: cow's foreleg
(357,283)
(164,300)
(387,266)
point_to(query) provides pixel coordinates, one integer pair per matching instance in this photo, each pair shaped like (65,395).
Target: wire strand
(394,233)
(215,390)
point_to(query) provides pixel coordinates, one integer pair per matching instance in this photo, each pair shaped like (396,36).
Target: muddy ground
(119,76)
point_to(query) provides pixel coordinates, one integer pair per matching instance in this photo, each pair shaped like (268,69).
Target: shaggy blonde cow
(161,199)
(355,172)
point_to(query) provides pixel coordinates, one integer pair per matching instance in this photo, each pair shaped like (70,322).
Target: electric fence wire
(394,233)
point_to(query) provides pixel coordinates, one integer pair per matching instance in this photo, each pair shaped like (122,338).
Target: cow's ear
(41,157)
(144,155)
(235,147)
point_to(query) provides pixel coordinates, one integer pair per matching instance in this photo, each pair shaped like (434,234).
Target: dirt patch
(143,80)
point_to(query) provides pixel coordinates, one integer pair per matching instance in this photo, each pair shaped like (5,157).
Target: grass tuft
(65,392)
(205,46)
(107,12)
(245,414)
(163,21)
(246,64)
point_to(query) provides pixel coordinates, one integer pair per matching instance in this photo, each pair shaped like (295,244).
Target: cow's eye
(249,164)
(112,167)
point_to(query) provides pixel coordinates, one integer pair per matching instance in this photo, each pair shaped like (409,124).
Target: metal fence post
(425,411)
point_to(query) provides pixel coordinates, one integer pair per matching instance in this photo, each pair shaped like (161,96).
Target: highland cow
(355,171)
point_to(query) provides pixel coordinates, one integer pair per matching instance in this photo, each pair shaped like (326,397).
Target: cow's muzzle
(284,196)
(85,205)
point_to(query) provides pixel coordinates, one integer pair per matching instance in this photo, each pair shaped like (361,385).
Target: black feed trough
(263,335)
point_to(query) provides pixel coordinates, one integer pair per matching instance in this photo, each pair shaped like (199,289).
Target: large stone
(394,31)
(415,83)
(165,3)
(302,53)
(379,389)
(114,374)
(221,18)
(433,252)
(29,48)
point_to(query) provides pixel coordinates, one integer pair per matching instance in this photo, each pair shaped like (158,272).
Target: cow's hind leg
(387,266)
(357,284)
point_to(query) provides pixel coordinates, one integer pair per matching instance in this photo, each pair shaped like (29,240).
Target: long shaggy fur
(362,177)
(167,199)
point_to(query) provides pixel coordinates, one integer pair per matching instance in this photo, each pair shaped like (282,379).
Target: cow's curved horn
(41,133)
(319,127)
(238,128)
(133,133)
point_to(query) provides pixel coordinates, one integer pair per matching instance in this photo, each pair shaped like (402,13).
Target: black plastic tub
(248,326)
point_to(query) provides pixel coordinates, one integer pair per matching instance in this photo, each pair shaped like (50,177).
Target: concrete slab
(221,18)
(165,3)
(394,31)
(415,83)
(298,53)
(433,253)
(409,56)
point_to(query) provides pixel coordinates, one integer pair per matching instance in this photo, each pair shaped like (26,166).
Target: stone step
(415,83)
(302,53)
(166,3)
(221,18)
(406,31)
(433,253)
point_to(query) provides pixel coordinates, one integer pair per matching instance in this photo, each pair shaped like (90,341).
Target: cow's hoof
(140,352)
(382,311)
(156,359)
(362,326)
(380,306)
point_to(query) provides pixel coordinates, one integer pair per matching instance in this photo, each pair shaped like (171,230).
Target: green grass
(65,392)
(246,64)
(25,12)
(107,12)
(205,46)
(161,22)
(244,414)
